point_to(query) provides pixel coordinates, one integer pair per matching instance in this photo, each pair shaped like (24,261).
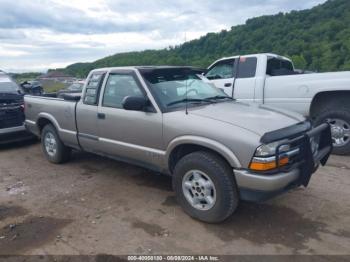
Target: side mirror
(135,103)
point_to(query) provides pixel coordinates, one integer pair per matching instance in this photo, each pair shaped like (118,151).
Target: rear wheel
(52,146)
(205,187)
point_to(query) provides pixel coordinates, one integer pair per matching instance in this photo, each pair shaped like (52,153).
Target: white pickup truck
(271,79)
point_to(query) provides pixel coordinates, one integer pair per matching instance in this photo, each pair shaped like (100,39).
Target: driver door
(221,75)
(124,134)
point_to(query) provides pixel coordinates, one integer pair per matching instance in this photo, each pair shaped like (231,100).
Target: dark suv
(11,111)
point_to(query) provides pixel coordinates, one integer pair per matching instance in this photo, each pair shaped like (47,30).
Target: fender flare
(221,149)
(49,117)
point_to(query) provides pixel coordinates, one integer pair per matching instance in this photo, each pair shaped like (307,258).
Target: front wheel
(340,126)
(205,187)
(53,148)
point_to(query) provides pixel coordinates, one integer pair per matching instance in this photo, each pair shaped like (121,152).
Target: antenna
(186,81)
(186,99)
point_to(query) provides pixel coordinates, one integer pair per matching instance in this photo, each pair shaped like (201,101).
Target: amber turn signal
(265,166)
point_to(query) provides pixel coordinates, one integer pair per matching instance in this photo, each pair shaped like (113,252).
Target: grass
(52,86)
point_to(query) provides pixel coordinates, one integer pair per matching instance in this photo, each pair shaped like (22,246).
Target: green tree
(316,39)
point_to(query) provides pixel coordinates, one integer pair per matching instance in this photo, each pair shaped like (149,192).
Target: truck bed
(60,112)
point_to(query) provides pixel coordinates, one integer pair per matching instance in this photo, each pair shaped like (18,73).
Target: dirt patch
(64,258)
(170,201)
(16,188)
(89,170)
(343,233)
(263,223)
(109,258)
(5,172)
(312,221)
(11,211)
(341,166)
(161,211)
(32,232)
(151,229)
(153,180)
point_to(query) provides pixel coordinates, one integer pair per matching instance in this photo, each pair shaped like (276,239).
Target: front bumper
(14,134)
(4,131)
(260,187)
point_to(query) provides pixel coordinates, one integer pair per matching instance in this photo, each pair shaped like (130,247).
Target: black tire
(336,112)
(62,153)
(222,177)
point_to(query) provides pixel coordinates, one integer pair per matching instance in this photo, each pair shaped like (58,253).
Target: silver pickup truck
(218,151)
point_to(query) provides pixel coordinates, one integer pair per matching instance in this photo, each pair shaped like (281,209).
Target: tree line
(317,39)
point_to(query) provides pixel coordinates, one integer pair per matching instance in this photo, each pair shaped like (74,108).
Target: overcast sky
(39,34)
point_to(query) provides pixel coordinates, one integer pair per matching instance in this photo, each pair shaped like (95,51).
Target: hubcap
(50,144)
(340,132)
(199,190)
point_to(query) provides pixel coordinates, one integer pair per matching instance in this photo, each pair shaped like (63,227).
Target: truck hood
(256,118)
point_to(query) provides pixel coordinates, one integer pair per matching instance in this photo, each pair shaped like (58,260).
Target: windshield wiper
(218,97)
(197,100)
(190,100)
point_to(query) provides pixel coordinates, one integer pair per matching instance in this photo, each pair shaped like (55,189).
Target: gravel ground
(94,205)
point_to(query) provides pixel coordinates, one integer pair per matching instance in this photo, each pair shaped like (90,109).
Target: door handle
(101,116)
(228,84)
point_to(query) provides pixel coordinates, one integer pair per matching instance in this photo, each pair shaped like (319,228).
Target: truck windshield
(173,88)
(8,87)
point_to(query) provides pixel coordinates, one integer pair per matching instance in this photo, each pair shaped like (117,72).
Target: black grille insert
(11,116)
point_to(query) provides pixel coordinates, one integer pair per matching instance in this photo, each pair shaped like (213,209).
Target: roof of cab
(251,55)
(147,68)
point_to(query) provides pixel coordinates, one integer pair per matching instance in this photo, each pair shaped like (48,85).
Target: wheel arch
(327,97)
(45,119)
(189,144)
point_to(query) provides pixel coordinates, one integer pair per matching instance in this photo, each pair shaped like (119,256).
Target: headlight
(270,149)
(265,156)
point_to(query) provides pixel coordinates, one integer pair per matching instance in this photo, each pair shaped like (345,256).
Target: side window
(118,87)
(92,89)
(272,65)
(287,65)
(247,67)
(221,70)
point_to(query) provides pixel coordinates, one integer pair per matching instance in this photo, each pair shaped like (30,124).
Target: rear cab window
(93,88)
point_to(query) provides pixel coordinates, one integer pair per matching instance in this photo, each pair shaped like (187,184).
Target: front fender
(221,149)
